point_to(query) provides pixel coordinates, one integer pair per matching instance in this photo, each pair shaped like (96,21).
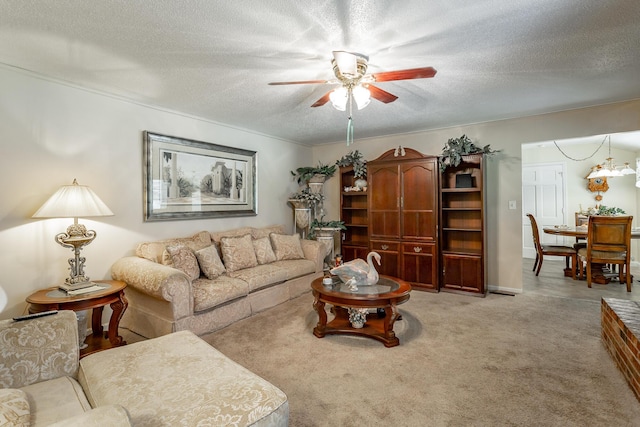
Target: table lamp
(73,201)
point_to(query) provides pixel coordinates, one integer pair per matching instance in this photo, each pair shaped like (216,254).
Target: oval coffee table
(350,306)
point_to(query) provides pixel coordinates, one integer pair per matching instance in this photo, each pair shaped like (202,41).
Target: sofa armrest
(157,280)
(314,251)
(108,415)
(38,349)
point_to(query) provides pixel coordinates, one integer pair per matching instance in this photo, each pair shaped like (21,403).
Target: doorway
(544,190)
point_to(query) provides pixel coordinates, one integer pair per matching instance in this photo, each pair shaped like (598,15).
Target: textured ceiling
(496,59)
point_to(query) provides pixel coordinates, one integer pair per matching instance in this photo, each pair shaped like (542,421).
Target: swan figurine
(358,272)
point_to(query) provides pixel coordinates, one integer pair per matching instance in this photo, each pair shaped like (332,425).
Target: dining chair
(608,242)
(550,250)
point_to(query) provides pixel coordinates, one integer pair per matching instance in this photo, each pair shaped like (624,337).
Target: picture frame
(189,179)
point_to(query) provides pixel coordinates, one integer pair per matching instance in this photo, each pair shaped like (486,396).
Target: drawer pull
(417,249)
(384,247)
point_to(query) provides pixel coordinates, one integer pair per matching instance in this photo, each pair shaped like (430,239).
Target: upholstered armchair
(39,362)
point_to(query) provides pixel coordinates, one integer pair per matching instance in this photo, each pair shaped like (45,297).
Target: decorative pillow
(264,251)
(153,251)
(238,253)
(210,262)
(287,247)
(185,260)
(14,408)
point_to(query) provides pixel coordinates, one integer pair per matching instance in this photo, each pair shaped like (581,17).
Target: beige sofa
(177,379)
(237,273)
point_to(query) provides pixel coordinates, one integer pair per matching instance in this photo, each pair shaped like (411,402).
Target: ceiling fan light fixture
(339,98)
(350,65)
(362,96)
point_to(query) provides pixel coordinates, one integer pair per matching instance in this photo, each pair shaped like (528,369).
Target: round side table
(112,294)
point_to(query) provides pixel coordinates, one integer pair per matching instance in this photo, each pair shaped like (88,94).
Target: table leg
(96,322)
(391,314)
(318,306)
(118,307)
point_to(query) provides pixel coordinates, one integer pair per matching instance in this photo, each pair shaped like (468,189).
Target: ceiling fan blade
(302,82)
(413,73)
(381,95)
(320,102)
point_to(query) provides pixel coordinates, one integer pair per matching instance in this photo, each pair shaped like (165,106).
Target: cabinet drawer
(385,246)
(414,248)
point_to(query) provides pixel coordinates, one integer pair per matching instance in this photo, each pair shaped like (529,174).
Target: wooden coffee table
(112,294)
(349,305)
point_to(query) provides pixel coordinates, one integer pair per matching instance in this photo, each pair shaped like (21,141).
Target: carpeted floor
(520,360)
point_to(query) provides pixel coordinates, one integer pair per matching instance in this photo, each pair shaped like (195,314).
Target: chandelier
(609,169)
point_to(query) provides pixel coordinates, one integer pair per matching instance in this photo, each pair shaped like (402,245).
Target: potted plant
(455,148)
(327,228)
(354,158)
(317,173)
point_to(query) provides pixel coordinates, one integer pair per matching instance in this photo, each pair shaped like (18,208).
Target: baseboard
(503,290)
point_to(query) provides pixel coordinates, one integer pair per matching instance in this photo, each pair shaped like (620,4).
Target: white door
(544,196)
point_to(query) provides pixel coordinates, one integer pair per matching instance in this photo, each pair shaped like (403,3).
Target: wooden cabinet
(354,213)
(403,216)
(462,221)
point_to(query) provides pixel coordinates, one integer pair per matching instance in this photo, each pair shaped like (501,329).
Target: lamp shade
(362,96)
(73,201)
(339,98)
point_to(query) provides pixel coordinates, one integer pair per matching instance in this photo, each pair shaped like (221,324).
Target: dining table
(580,232)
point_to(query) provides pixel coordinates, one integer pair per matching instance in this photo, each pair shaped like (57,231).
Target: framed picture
(187,179)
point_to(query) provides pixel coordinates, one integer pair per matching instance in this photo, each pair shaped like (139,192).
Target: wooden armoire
(403,216)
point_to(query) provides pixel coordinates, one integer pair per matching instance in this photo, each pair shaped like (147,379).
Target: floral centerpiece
(602,210)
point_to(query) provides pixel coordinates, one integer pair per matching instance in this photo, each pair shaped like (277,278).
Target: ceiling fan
(350,69)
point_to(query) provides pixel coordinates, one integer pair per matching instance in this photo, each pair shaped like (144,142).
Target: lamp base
(75,286)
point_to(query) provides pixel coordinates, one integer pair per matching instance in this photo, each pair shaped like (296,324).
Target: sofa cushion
(261,276)
(258,233)
(238,253)
(210,262)
(216,236)
(153,250)
(55,400)
(180,380)
(184,260)
(295,267)
(264,251)
(286,247)
(14,408)
(108,415)
(211,293)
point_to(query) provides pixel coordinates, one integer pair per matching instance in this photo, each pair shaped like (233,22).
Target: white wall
(51,133)
(504,169)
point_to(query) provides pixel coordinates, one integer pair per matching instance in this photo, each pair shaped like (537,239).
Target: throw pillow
(238,253)
(264,251)
(210,262)
(287,247)
(185,260)
(14,408)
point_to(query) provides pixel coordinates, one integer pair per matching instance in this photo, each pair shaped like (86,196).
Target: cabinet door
(419,264)
(390,257)
(349,253)
(463,273)
(384,202)
(419,202)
